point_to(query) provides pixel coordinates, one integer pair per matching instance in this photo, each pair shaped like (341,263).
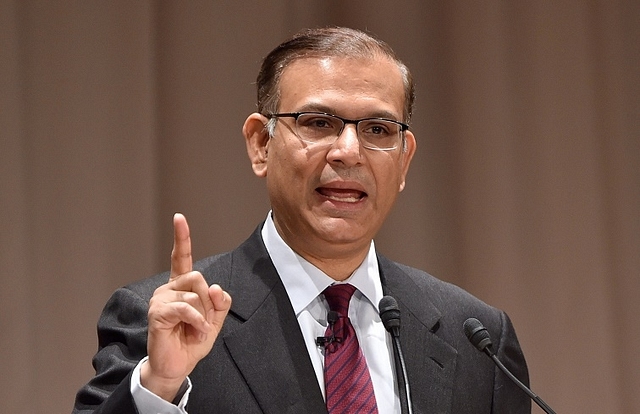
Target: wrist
(165,388)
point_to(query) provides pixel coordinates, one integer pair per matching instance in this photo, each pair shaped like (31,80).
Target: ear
(406,156)
(257,140)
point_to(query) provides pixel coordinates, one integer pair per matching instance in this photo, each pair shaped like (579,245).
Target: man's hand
(185,318)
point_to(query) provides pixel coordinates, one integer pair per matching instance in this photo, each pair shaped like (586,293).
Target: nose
(346,149)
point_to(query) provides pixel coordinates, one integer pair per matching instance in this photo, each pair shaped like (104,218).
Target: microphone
(480,338)
(390,315)
(323,341)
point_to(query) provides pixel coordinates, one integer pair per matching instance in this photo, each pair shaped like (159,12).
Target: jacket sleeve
(122,343)
(507,396)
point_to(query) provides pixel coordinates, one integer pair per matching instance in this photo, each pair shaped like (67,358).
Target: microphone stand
(523,387)
(480,338)
(390,316)
(403,380)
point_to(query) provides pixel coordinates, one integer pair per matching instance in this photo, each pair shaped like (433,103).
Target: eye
(316,127)
(378,128)
(317,122)
(320,123)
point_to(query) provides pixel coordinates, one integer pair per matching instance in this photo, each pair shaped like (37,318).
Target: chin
(343,230)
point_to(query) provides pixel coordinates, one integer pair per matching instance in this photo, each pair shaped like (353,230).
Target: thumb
(221,304)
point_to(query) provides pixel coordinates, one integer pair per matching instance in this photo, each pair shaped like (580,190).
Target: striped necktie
(348,384)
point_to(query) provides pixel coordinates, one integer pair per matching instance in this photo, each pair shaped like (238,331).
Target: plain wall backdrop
(525,188)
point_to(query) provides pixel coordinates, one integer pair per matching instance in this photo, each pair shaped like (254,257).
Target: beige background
(525,189)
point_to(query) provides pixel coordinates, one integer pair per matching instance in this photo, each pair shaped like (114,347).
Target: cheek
(389,178)
(289,170)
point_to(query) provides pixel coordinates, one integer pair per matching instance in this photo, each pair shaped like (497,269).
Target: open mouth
(342,195)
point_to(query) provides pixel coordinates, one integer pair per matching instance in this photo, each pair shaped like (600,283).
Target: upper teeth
(344,199)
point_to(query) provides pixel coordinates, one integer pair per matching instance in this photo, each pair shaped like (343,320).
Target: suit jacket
(259,363)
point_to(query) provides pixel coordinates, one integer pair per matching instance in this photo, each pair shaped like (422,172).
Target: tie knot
(338,297)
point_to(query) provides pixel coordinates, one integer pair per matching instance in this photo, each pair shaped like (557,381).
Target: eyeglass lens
(324,128)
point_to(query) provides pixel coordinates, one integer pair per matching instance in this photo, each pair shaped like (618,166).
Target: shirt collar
(304,282)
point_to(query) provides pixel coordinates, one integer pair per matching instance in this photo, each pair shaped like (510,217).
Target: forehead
(341,85)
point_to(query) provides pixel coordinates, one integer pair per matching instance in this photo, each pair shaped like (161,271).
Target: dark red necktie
(347,381)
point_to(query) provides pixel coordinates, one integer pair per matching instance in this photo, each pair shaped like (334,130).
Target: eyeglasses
(321,128)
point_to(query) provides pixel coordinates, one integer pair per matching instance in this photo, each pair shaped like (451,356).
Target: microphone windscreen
(389,312)
(477,333)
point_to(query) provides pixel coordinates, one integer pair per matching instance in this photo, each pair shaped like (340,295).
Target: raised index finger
(181,261)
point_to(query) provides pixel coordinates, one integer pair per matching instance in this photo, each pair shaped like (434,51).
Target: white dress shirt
(304,284)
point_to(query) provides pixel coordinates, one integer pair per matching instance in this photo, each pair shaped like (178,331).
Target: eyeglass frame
(295,115)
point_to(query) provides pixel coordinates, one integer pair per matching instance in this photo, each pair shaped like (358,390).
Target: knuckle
(154,313)
(178,253)
(181,307)
(188,297)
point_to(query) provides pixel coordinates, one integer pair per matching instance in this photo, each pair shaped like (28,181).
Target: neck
(336,260)
(337,269)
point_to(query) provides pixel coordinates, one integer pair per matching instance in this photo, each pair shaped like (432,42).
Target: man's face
(329,200)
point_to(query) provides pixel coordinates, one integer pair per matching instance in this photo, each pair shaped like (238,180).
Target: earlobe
(407,155)
(257,141)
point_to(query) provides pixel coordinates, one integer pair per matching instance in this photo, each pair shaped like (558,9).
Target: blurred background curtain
(525,189)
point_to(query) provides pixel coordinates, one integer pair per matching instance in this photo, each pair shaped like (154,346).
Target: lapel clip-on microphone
(390,315)
(323,341)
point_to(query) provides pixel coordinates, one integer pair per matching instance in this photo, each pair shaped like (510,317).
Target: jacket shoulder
(446,296)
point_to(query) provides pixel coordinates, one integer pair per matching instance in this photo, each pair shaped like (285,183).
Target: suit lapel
(431,362)
(268,347)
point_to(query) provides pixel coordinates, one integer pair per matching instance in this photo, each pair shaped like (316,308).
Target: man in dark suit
(332,140)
